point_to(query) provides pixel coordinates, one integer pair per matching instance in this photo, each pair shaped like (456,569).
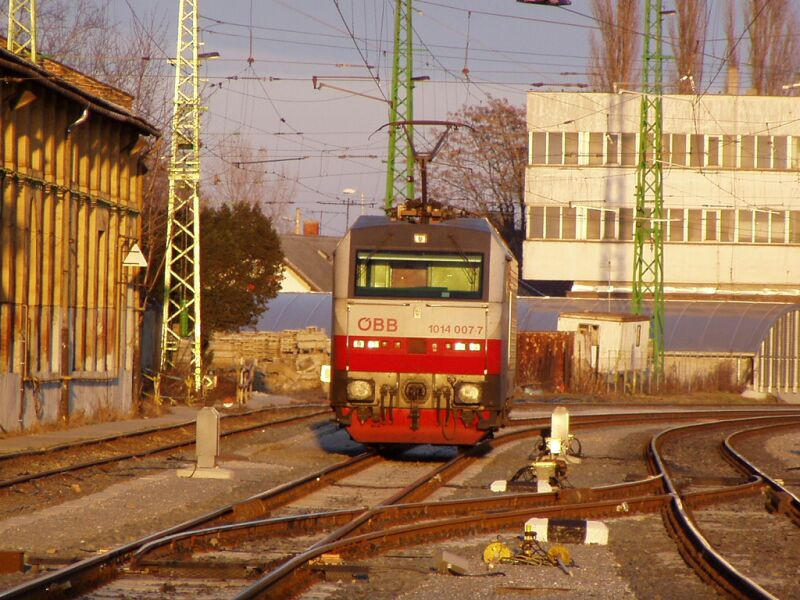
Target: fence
(550,361)
(544,359)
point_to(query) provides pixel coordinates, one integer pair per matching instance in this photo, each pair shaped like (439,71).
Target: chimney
(311,228)
(732,86)
(298,219)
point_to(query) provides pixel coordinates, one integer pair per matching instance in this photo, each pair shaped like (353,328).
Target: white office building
(731,189)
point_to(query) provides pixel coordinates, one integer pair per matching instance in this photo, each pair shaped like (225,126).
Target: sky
(260,91)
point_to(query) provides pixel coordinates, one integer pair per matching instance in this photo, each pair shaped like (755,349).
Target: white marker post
(207,448)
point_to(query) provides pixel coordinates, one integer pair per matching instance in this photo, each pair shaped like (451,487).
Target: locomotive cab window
(419,275)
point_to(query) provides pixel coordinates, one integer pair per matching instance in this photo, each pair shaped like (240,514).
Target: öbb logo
(377,324)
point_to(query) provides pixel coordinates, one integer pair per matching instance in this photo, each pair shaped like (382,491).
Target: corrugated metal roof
(690,326)
(297,310)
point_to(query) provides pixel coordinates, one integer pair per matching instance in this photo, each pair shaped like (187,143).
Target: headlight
(360,390)
(469,393)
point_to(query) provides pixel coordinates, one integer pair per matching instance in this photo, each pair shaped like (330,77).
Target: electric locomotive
(424,331)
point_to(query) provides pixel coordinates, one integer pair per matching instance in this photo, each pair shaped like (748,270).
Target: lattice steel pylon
(22,28)
(648,255)
(400,178)
(181,325)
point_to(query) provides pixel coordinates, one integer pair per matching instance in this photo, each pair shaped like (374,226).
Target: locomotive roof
(476,224)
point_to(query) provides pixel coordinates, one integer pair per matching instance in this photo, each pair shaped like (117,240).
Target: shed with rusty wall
(72,198)
(730,344)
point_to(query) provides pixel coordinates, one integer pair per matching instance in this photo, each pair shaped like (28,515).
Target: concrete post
(207,448)
(207,445)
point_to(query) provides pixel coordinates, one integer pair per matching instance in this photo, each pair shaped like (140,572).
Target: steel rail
(150,430)
(295,574)
(427,483)
(388,516)
(694,547)
(781,499)
(137,454)
(94,571)
(80,576)
(582,421)
(87,574)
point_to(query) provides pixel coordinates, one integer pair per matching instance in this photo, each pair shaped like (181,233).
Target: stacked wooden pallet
(264,346)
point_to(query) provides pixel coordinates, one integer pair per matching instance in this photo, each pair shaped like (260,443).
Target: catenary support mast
(648,256)
(22,28)
(400,177)
(181,324)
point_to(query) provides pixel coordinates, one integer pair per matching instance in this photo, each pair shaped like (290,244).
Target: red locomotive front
(423,331)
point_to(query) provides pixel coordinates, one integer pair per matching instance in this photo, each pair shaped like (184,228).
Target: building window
(538,148)
(612,149)
(778,227)
(748,152)
(711,222)
(626,224)
(727,225)
(555,148)
(729,149)
(629,149)
(675,229)
(609,224)
(794,226)
(761,226)
(552,222)
(678,149)
(596,144)
(568,223)
(713,153)
(571,148)
(780,152)
(697,151)
(536,223)
(694,225)
(593,223)
(794,148)
(745,226)
(764,152)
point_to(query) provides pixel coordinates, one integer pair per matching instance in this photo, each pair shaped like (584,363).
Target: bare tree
(774,47)
(239,176)
(482,169)
(687,38)
(615,51)
(131,56)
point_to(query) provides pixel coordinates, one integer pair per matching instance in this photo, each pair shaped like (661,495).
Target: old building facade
(71,177)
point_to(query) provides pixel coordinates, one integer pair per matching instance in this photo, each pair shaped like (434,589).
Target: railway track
(781,499)
(32,465)
(366,530)
(682,514)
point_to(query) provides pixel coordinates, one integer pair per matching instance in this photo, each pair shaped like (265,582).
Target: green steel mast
(648,254)
(180,326)
(22,28)
(400,178)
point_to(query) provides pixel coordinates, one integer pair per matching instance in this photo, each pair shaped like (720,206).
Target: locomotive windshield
(393,274)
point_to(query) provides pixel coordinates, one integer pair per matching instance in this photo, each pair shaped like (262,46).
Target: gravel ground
(784,449)
(640,561)
(100,516)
